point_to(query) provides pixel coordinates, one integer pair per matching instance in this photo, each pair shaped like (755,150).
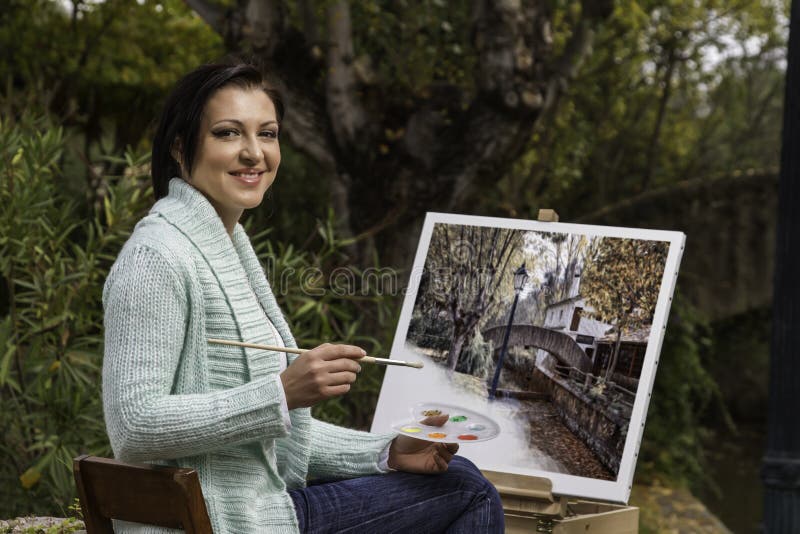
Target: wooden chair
(155,495)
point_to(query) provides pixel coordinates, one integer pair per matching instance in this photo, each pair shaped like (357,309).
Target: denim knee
(485,498)
(471,479)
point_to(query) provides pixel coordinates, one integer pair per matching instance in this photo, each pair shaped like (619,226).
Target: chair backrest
(155,495)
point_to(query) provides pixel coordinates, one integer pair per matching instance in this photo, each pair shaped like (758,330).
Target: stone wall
(601,430)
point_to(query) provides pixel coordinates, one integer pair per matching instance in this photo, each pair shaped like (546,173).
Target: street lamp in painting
(520,279)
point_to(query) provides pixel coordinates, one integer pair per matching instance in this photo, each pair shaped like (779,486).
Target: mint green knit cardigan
(169,397)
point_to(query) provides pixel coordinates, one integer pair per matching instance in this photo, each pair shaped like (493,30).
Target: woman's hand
(321,373)
(418,456)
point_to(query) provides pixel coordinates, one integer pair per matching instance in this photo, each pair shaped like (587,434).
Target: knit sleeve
(338,452)
(145,326)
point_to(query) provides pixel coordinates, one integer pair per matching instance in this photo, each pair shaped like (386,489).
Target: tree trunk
(459,337)
(615,355)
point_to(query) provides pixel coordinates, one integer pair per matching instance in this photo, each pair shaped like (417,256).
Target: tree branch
(685,187)
(211,13)
(345,111)
(666,92)
(566,67)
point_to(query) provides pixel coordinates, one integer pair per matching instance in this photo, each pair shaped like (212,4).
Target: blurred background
(653,114)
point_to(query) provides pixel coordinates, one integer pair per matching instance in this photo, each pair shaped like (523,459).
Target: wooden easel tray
(531,507)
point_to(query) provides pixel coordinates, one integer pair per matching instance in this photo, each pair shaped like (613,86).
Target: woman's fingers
(342,364)
(441,463)
(336,379)
(329,351)
(444,452)
(335,391)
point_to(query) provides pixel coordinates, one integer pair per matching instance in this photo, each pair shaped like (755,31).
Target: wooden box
(531,507)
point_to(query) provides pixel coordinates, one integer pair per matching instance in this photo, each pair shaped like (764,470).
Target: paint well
(467,437)
(437,435)
(411,429)
(475,427)
(458,418)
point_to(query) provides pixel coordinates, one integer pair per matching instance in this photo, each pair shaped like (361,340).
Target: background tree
(621,283)
(440,121)
(100,68)
(672,91)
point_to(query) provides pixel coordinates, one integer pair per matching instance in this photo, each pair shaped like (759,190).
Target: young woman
(239,416)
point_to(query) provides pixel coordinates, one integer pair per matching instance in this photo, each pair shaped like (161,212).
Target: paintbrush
(363,359)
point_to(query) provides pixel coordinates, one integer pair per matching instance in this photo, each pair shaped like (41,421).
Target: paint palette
(460,426)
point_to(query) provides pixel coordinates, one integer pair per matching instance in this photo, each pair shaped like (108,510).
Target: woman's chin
(252,199)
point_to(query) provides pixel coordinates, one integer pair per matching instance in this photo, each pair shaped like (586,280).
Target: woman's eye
(225,133)
(272,134)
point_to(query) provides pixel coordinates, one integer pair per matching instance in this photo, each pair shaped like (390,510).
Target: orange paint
(437,435)
(467,437)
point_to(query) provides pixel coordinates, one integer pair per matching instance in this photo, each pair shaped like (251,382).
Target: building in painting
(632,348)
(572,316)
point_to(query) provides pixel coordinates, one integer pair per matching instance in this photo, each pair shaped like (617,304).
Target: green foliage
(326,302)
(683,392)
(419,44)
(102,66)
(52,266)
(671,91)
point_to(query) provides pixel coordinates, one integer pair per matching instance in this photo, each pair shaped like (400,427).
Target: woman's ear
(177,154)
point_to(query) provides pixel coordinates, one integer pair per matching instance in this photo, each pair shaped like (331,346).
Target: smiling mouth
(247,175)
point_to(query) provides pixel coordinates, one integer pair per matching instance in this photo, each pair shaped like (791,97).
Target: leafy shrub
(53,261)
(683,391)
(326,302)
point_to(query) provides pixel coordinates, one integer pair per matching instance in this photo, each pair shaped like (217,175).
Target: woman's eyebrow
(240,123)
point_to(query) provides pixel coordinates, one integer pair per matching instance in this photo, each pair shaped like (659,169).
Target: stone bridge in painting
(560,345)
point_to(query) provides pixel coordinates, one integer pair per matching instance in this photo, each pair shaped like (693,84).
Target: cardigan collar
(231,258)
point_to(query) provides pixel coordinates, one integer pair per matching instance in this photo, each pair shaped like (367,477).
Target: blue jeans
(460,500)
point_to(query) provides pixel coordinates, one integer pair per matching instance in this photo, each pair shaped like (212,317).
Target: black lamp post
(781,468)
(520,279)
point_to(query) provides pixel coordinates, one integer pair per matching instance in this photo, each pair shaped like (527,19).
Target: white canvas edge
(569,485)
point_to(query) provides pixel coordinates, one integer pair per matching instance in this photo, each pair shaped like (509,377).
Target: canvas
(550,330)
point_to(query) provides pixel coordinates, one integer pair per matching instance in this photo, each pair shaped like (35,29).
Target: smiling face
(237,151)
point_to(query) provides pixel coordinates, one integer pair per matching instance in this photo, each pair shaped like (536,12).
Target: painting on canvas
(551,331)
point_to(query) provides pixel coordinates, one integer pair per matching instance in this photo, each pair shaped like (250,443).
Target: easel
(531,507)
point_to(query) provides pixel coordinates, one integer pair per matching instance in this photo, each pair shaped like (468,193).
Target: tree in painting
(466,267)
(621,283)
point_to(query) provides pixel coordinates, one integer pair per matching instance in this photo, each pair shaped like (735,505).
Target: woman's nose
(250,151)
